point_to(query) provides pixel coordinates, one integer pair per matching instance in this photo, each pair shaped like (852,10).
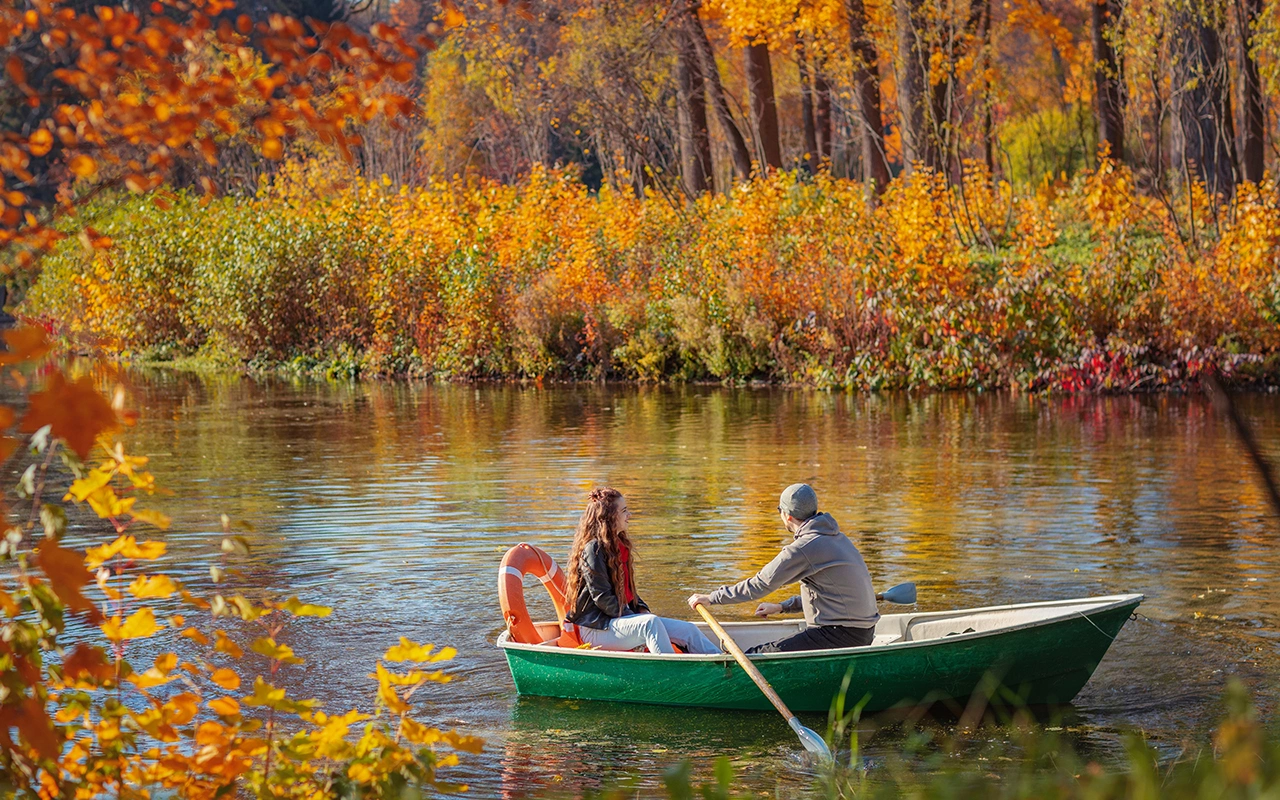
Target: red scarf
(624,558)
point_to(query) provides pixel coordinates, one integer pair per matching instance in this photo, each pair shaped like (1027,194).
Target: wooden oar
(811,740)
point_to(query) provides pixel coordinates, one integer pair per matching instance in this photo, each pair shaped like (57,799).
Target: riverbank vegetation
(1241,761)
(1079,285)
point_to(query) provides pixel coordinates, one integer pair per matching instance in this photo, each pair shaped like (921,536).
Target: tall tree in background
(980,31)
(919,99)
(1253,153)
(764,107)
(715,90)
(1206,134)
(691,110)
(866,88)
(822,109)
(808,107)
(1108,78)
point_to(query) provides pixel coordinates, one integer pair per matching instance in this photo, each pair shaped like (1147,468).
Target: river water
(394,502)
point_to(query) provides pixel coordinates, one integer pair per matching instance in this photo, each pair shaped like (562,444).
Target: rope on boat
(1095,625)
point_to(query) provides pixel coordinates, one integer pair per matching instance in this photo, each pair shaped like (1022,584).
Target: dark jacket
(597,601)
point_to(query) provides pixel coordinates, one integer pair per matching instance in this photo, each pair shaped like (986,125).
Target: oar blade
(904,594)
(811,740)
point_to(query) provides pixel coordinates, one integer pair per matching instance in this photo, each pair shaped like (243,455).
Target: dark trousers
(824,637)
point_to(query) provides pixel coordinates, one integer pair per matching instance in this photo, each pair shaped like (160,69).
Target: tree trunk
(866,86)
(822,112)
(979,26)
(1204,104)
(1108,77)
(808,108)
(764,109)
(917,102)
(715,90)
(691,119)
(1253,161)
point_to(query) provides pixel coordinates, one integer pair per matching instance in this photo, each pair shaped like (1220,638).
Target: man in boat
(835,586)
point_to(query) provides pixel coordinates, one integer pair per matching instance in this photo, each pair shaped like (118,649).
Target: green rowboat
(1043,652)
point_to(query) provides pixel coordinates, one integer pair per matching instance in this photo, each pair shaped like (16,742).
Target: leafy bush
(788,279)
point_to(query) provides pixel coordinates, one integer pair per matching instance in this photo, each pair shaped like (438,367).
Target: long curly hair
(599,523)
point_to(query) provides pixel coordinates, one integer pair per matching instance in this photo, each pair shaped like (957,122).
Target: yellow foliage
(150,587)
(421,653)
(139,625)
(127,547)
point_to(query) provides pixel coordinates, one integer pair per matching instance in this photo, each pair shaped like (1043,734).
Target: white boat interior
(906,629)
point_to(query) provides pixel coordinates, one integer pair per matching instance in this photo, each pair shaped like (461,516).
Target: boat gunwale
(1103,603)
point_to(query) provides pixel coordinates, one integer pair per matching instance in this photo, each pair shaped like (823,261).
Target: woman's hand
(765,609)
(695,599)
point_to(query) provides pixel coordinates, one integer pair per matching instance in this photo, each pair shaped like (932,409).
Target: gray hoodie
(835,586)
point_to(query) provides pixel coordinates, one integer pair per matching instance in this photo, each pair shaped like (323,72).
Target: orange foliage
(786,279)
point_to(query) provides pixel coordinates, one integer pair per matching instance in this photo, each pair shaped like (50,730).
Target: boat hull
(1039,664)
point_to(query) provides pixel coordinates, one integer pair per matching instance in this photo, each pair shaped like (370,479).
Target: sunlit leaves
(158,675)
(224,644)
(267,696)
(411,651)
(421,734)
(151,88)
(126,546)
(139,625)
(225,706)
(151,517)
(266,646)
(226,678)
(146,587)
(300,609)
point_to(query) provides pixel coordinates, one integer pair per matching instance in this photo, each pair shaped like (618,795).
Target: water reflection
(394,502)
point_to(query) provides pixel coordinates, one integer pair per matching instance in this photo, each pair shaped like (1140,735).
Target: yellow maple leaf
(108,505)
(139,625)
(225,678)
(225,706)
(145,588)
(152,517)
(422,653)
(223,644)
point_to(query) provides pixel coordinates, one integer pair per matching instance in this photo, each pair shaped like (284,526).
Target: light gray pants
(654,632)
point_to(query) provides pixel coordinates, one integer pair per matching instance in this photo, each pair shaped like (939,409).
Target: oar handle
(746,664)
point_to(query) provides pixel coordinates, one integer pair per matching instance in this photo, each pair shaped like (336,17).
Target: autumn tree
(1205,130)
(1108,78)
(697,171)
(1249,19)
(866,83)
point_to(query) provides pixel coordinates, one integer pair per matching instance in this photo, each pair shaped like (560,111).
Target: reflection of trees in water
(977,497)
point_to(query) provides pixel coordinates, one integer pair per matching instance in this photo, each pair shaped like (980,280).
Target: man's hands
(695,599)
(765,609)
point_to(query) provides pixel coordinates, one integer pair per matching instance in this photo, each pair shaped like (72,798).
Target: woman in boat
(606,612)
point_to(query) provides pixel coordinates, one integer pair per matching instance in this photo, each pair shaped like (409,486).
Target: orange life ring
(521,560)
